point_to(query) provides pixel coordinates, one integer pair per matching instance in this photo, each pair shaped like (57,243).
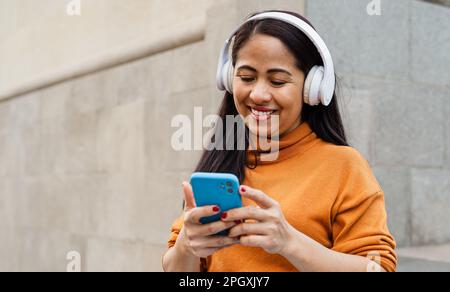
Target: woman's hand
(196,238)
(269,229)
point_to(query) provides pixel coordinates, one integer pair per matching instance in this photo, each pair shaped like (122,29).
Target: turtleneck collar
(295,142)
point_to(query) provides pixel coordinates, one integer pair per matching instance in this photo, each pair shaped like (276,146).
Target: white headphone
(320,81)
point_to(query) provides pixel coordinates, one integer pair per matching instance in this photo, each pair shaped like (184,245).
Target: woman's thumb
(189,201)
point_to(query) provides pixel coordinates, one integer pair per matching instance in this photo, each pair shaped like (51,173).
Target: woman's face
(268,84)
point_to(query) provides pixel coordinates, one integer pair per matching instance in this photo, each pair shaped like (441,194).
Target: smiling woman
(317,206)
(263,51)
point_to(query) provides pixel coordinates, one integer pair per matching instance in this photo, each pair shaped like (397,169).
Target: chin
(261,133)
(265,128)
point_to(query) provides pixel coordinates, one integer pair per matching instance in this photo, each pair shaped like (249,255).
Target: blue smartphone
(221,189)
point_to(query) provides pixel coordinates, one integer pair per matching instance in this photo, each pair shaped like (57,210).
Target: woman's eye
(277,83)
(247,79)
(251,79)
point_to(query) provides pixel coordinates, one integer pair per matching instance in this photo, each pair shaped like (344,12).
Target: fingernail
(224,215)
(243,189)
(216,209)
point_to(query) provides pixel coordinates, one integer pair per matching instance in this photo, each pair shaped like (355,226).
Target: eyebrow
(274,70)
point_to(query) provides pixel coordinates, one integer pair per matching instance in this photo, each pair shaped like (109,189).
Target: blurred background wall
(87,97)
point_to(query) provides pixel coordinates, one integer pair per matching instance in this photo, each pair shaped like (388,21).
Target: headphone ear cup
(312,85)
(227,76)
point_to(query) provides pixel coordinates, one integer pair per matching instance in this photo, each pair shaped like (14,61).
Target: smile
(261,115)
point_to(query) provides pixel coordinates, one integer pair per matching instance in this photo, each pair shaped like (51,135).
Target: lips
(261,113)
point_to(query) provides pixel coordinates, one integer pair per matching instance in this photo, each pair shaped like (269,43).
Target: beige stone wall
(39,40)
(86,104)
(86,162)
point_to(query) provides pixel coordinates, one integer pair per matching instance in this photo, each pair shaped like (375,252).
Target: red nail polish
(224,215)
(243,189)
(216,209)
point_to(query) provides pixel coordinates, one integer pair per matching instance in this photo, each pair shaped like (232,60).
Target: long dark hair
(325,121)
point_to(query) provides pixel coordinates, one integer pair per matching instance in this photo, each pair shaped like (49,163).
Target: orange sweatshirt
(327,192)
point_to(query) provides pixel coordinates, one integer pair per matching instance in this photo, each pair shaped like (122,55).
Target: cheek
(239,99)
(291,101)
(291,109)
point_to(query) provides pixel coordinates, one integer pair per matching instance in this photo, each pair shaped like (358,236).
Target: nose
(260,93)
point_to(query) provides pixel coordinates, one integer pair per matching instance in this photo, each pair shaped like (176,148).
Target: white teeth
(258,113)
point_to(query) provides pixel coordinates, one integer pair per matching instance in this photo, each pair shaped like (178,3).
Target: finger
(194,215)
(189,201)
(248,229)
(253,240)
(244,213)
(215,242)
(261,199)
(215,227)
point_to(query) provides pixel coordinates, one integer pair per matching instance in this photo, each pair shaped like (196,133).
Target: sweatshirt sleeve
(359,218)
(174,231)
(360,228)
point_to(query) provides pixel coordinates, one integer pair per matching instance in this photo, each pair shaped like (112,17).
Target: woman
(317,206)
